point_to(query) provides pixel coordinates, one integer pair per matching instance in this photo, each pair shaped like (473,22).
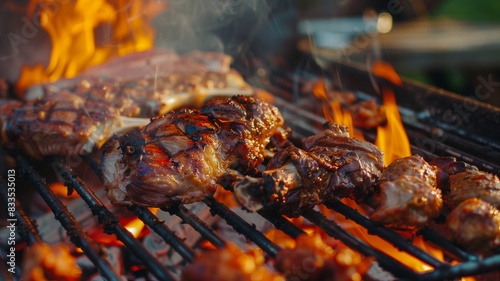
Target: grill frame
(469,263)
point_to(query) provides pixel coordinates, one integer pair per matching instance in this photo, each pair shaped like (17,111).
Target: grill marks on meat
(331,165)
(180,156)
(68,125)
(409,194)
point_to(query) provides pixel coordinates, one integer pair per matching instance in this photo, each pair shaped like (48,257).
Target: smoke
(229,26)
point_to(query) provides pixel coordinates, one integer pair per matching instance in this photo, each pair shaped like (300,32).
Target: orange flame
(73,27)
(383,245)
(391,138)
(135,226)
(332,110)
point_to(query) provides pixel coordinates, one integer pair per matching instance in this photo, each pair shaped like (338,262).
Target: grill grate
(470,264)
(467,263)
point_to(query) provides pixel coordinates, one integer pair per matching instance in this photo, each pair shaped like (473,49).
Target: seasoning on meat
(180,156)
(330,166)
(409,194)
(475,225)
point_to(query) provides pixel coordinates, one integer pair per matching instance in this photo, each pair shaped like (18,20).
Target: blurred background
(451,44)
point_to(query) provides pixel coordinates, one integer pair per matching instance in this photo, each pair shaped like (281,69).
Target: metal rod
(194,221)
(75,232)
(446,245)
(282,223)
(384,233)
(334,230)
(166,233)
(464,269)
(111,224)
(242,227)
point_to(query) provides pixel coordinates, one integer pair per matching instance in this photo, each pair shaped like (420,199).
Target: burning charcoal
(331,166)
(409,194)
(230,263)
(49,262)
(312,259)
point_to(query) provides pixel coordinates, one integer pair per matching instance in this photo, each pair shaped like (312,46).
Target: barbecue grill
(438,123)
(423,112)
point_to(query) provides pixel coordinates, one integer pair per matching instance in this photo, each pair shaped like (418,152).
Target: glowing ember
(383,245)
(61,190)
(73,27)
(135,226)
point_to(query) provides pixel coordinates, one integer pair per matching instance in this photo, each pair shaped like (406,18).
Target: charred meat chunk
(62,125)
(180,156)
(473,184)
(448,166)
(409,196)
(475,225)
(330,166)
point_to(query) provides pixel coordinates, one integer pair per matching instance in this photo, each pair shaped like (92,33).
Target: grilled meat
(448,166)
(154,96)
(230,264)
(161,83)
(312,259)
(66,125)
(409,196)
(475,225)
(180,156)
(473,183)
(49,262)
(330,166)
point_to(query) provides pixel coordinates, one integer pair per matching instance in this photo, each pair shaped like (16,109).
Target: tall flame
(391,138)
(332,109)
(76,30)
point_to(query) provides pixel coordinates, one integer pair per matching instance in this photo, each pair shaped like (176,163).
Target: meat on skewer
(475,225)
(473,183)
(180,156)
(409,194)
(472,200)
(330,166)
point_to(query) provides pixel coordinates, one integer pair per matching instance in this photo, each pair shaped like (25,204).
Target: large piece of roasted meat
(330,166)
(180,156)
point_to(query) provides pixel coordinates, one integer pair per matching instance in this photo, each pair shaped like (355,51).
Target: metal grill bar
(451,249)
(77,235)
(206,231)
(334,230)
(242,227)
(161,229)
(467,268)
(110,221)
(282,224)
(385,233)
